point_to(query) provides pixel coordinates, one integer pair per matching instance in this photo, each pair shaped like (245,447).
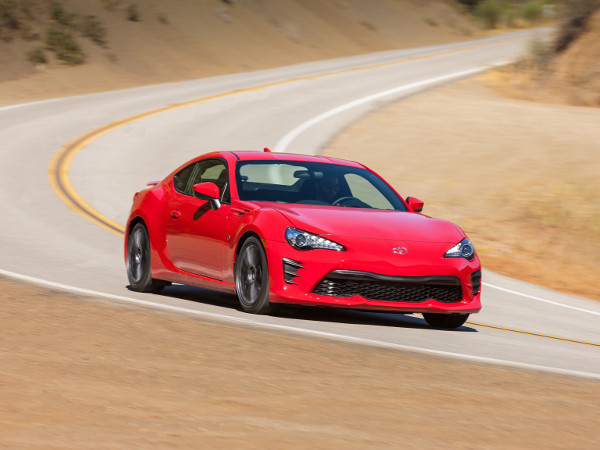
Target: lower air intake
(389,288)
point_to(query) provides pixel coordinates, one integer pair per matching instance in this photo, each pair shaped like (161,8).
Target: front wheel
(139,267)
(446,321)
(252,277)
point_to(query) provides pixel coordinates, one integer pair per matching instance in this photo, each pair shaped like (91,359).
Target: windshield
(313,183)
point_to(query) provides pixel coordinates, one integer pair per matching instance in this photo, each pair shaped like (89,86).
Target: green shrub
(489,12)
(10,20)
(133,13)
(532,11)
(112,58)
(66,48)
(111,5)
(162,18)
(92,28)
(432,23)
(62,16)
(37,56)
(510,18)
(540,52)
(576,16)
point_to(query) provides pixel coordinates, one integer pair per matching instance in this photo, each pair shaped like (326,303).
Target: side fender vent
(290,270)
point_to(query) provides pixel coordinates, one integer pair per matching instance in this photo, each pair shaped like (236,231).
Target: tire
(139,266)
(445,321)
(252,278)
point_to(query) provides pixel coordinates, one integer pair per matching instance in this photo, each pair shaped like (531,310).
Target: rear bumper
(361,280)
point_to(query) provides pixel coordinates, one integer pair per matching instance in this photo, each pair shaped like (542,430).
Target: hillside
(576,71)
(566,69)
(153,41)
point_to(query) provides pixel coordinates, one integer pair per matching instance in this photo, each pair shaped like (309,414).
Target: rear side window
(183,176)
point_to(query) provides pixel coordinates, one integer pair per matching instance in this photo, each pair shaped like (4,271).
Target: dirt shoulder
(77,372)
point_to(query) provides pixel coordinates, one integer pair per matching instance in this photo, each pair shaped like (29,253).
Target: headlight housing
(464,249)
(303,240)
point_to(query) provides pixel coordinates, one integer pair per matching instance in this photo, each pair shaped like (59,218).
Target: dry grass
(519,177)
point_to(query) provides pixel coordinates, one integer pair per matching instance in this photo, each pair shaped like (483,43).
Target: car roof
(276,156)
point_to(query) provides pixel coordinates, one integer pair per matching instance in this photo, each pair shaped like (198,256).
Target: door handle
(175,214)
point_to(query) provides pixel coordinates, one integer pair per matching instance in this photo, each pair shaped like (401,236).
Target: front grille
(476,281)
(388,288)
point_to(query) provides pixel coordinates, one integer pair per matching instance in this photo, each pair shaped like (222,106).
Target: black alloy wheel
(252,277)
(445,321)
(139,267)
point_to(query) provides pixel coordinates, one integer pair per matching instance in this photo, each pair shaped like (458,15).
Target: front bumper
(370,276)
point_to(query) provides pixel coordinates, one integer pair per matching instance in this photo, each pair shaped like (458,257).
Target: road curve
(104,147)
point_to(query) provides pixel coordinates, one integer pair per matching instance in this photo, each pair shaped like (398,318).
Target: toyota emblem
(400,250)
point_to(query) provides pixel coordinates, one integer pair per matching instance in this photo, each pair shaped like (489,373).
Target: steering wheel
(343,199)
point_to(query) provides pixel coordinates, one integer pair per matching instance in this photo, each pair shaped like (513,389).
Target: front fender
(267,223)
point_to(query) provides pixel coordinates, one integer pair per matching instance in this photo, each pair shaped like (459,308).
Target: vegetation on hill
(51,28)
(66,47)
(565,68)
(511,13)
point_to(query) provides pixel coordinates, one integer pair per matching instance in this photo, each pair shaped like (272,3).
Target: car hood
(371,224)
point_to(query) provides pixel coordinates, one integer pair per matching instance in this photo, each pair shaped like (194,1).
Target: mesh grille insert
(393,289)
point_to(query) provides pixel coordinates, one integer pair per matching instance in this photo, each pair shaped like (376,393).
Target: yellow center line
(530,333)
(58,169)
(60,163)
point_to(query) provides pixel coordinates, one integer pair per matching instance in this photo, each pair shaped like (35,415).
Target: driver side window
(214,171)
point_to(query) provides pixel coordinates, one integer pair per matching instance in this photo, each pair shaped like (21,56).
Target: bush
(133,13)
(576,16)
(532,11)
(10,20)
(61,16)
(37,56)
(162,18)
(540,53)
(92,28)
(65,47)
(111,5)
(470,3)
(489,12)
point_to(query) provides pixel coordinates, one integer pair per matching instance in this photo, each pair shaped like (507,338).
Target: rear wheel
(139,267)
(252,277)
(446,321)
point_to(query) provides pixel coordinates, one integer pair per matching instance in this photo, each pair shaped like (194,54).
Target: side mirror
(415,204)
(208,191)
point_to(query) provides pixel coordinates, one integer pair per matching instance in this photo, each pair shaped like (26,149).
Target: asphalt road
(118,141)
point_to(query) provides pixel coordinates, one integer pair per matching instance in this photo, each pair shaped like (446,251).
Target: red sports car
(309,230)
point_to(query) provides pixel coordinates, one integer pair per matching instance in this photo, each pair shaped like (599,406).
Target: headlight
(302,240)
(464,249)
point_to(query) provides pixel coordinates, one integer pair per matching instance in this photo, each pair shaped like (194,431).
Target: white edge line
(35,102)
(539,299)
(323,334)
(285,141)
(280,147)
